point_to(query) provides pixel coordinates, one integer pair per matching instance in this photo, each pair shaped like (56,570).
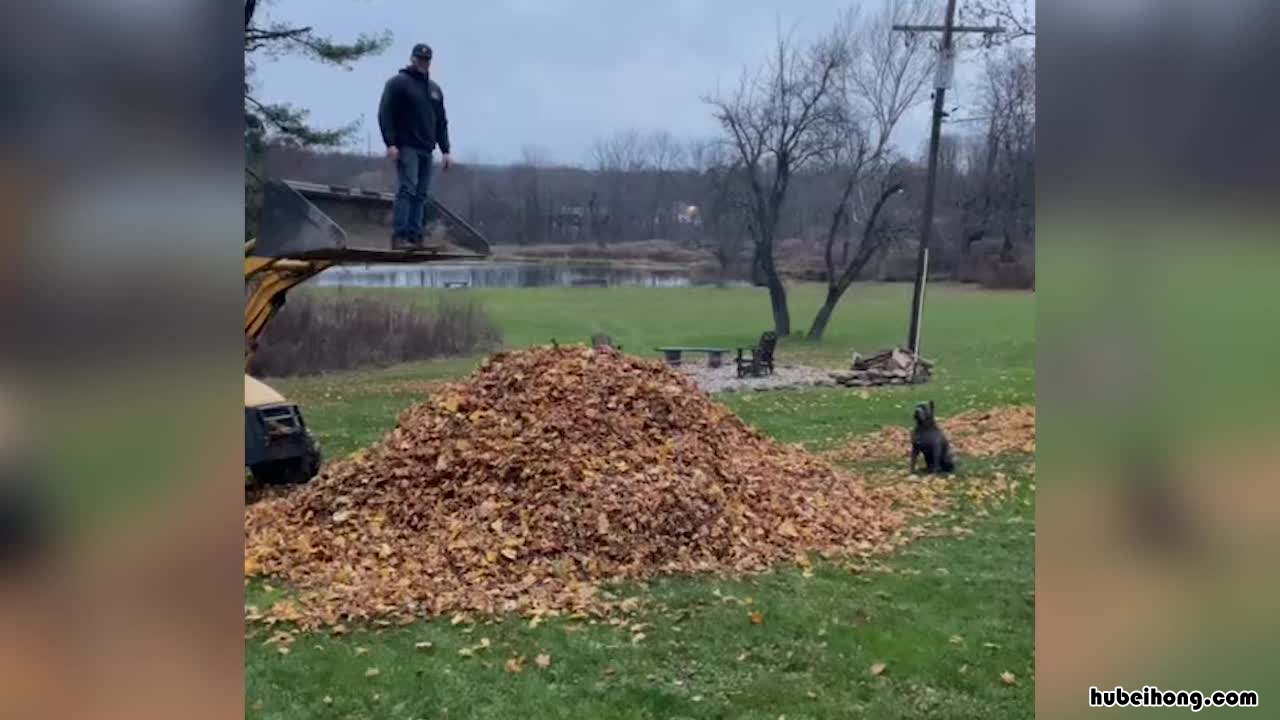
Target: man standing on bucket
(413,122)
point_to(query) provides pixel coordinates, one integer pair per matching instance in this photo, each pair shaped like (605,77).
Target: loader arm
(301,237)
(268,281)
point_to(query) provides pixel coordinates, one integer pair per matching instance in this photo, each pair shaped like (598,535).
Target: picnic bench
(672,355)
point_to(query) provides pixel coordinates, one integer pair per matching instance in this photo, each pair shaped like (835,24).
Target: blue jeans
(413,174)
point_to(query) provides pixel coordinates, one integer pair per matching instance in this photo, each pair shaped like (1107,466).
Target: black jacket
(411,113)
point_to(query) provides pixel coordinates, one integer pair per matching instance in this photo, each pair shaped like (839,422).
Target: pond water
(501,275)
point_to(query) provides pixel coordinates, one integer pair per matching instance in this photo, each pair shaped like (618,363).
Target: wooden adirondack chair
(758,361)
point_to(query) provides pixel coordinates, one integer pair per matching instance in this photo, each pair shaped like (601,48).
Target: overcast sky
(554,73)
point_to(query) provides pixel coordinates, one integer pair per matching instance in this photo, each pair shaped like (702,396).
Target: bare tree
(779,121)
(724,201)
(1002,199)
(875,237)
(884,78)
(617,160)
(664,154)
(1014,15)
(528,177)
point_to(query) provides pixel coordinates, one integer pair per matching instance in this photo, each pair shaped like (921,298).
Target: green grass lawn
(952,615)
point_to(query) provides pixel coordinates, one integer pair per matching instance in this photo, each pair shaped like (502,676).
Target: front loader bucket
(307,220)
(293,227)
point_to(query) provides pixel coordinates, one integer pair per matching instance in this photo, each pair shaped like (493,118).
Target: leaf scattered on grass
(543,660)
(372,672)
(757,617)
(1008,678)
(878,669)
(979,433)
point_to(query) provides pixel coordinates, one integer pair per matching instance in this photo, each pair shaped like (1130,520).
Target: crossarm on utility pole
(990,29)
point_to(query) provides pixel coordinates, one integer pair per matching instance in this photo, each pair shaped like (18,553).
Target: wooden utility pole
(946,67)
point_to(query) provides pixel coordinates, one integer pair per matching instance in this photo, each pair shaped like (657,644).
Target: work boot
(437,235)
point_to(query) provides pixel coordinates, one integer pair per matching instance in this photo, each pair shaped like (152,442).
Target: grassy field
(946,620)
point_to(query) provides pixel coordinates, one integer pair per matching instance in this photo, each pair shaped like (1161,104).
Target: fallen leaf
(362,651)
(372,672)
(515,665)
(543,660)
(1008,678)
(757,617)
(637,638)
(878,668)
(424,645)
(956,640)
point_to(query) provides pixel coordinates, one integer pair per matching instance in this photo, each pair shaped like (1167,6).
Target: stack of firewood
(891,367)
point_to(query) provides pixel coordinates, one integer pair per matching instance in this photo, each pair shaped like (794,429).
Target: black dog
(927,439)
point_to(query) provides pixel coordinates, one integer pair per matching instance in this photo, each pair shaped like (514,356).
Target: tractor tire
(294,471)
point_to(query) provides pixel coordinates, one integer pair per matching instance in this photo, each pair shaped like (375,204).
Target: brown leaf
(515,664)
(757,617)
(878,669)
(372,672)
(543,660)
(1008,678)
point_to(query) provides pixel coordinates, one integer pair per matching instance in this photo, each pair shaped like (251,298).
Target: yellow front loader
(307,228)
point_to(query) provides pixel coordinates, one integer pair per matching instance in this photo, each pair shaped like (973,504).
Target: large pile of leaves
(543,475)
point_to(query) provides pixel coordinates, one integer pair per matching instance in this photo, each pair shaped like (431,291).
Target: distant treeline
(649,187)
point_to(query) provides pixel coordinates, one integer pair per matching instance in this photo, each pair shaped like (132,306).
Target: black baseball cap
(422,50)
